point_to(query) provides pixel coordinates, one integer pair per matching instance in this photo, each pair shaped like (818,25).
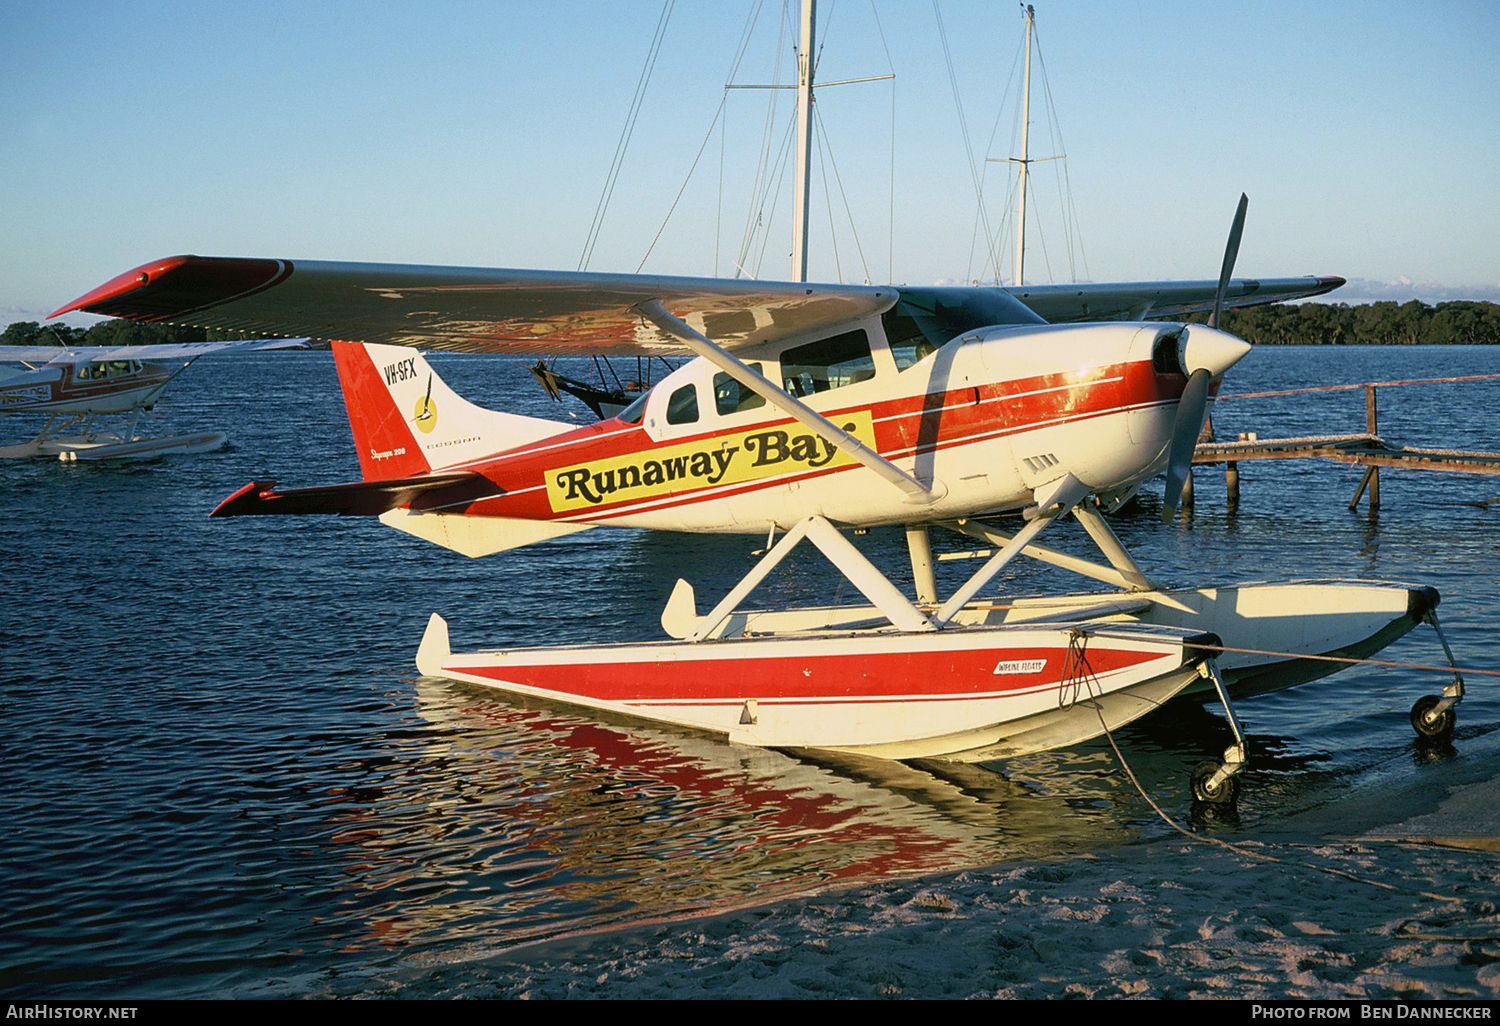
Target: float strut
(1216,783)
(1433,716)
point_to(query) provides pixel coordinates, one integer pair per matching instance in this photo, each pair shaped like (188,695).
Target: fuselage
(83,387)
(982,420)
(986,424)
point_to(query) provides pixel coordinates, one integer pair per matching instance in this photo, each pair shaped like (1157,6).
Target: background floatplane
(93,397)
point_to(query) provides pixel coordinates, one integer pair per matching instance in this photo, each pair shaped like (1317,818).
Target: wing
(1134,301)
(162,351)
(470,309)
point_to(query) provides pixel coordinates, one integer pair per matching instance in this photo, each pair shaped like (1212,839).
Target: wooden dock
(1368,450)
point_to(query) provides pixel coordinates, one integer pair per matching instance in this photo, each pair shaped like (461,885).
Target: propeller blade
(1191,409)
(1231,253)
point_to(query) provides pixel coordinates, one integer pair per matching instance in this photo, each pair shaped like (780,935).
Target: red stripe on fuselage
(904,427)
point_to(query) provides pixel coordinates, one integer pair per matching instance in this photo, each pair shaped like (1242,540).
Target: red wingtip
(244,500)
(178,287)
(123,284)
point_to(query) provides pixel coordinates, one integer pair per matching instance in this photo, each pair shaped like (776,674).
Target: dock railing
(1368,450)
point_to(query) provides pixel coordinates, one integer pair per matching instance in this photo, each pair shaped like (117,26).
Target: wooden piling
(1372,474)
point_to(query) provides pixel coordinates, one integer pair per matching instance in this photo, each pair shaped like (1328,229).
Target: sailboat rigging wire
(754,214)
(963,124)
(739,56)
(890,245)
(1069,213)
(823,36)
(824,153)
(629,129)
(683,188)
(770,189)
(848,212)
(1047,93)
(1064,191)
(1009,205)
(844,196)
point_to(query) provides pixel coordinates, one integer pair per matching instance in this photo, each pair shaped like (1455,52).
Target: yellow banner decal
(722,459)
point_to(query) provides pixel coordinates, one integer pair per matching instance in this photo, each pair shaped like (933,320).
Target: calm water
(223,777)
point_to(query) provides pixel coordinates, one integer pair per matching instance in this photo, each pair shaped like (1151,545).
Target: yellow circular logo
(425,414)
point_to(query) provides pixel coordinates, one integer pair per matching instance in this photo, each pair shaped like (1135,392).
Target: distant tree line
(112,333)
(1460,322)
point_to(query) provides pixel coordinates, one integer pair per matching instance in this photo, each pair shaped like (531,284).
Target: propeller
(1185,429)
(1231,253)
(1193,405)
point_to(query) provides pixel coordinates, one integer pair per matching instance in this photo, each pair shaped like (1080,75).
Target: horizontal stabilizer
(360,498)
(477,536)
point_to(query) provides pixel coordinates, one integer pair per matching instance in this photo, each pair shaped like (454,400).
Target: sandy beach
(1338,906)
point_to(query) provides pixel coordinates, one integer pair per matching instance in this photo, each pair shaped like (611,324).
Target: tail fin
(406,421)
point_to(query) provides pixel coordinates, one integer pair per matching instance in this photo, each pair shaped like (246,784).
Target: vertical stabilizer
(406,421)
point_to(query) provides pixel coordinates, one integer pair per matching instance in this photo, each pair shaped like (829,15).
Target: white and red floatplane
(809,410)
(93,397)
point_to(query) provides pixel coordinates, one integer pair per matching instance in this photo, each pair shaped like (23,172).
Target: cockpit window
(909,344)
(682,408)
(107,369)
(732,397)
(827,363)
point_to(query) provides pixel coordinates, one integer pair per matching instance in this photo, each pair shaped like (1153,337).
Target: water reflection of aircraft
(810,409)
(593,825)
(76,387)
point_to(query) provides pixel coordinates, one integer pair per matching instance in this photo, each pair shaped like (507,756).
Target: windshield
(633,413)
(925,318)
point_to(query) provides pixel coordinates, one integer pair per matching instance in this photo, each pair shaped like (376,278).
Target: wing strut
(799,411)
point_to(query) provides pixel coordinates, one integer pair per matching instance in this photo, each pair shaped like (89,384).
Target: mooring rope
(1247,853)
(1364,384)
(1350,660)
(1080,672)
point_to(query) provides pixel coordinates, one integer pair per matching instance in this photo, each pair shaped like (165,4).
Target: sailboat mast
(804,142)
(1025,159)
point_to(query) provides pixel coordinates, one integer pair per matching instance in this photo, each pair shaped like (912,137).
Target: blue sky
(1365,133)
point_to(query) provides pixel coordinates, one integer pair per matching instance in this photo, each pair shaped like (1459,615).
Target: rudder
(407,421)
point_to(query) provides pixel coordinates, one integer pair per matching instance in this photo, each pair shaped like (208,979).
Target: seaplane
(93,397)
(804,413)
